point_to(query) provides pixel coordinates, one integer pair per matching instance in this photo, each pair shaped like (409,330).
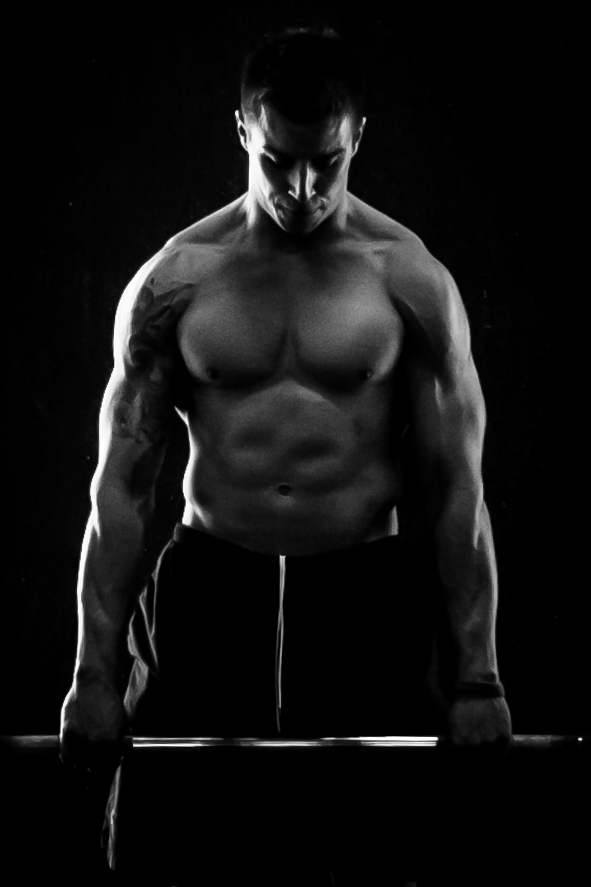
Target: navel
(284,490)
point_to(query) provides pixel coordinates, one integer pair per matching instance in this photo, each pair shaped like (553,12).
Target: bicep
(129,458)
(446,402)
(447,421)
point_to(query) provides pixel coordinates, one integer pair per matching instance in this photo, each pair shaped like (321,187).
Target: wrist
(111,674)
(102,652)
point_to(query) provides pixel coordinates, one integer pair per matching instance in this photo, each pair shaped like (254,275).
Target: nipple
(284,489)
(211,373)
(366,374)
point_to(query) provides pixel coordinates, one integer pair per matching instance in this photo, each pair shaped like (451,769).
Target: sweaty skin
(298,332)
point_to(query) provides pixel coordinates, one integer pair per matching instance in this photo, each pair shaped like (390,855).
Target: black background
(121,133)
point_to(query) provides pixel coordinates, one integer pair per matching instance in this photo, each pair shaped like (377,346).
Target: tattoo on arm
(145,400)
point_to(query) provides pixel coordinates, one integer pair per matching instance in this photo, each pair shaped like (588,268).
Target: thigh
(215,620)
(358,641)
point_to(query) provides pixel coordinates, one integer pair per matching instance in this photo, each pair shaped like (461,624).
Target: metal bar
(145,743)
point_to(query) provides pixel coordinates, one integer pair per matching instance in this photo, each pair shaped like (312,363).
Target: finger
(71,749)
(502,746)
(100,759)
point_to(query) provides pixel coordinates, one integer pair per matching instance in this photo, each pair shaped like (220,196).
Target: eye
(327,163)
(279,164)
(321,164)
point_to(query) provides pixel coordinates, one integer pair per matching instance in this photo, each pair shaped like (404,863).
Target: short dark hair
(307,74)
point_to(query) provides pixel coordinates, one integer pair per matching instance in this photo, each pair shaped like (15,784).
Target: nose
(302,182)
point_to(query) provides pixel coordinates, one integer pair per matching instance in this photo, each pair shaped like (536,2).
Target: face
(298,172)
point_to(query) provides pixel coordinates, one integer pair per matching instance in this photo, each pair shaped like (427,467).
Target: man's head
(302,120)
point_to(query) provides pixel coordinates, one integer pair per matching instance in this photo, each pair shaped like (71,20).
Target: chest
(332,321)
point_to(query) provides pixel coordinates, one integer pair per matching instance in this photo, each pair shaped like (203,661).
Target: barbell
(150,744)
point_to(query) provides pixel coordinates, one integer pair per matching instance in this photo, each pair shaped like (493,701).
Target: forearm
(114,569)
(467,569)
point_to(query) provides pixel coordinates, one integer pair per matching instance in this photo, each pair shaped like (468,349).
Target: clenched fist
(93,727)
(476,723)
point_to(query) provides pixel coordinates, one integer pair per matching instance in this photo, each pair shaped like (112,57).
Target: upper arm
(446,404)
(138,404)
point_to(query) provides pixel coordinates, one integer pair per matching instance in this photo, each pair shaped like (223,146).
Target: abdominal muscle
(288,471)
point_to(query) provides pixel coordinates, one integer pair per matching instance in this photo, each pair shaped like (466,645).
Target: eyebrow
(279,153)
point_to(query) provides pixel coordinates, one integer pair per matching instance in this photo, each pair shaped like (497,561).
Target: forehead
(272,130)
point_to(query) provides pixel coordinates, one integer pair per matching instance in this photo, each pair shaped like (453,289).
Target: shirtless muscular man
(298,332)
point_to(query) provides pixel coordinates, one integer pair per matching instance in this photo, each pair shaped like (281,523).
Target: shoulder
(157,295)
(368,224)
(152,304)
(425,294)
(151,298)
(421,288)
(184,260)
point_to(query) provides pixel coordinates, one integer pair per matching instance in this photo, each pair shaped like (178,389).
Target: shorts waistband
(191,536)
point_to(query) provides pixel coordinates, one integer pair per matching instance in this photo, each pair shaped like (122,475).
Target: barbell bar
(144,744)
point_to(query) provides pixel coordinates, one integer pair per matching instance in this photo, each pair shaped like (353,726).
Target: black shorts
(354,645)
(212,658)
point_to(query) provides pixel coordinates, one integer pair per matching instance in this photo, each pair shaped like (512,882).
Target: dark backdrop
(122,133)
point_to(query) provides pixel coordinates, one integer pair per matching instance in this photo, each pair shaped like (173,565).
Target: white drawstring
(279,643)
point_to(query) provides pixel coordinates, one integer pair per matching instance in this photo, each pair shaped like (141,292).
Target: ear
(357,136)
(242,133)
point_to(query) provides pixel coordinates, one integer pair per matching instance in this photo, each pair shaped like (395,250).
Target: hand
(482,724)
(93,726)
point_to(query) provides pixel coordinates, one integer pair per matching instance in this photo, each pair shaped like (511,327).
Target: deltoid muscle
(152,365)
